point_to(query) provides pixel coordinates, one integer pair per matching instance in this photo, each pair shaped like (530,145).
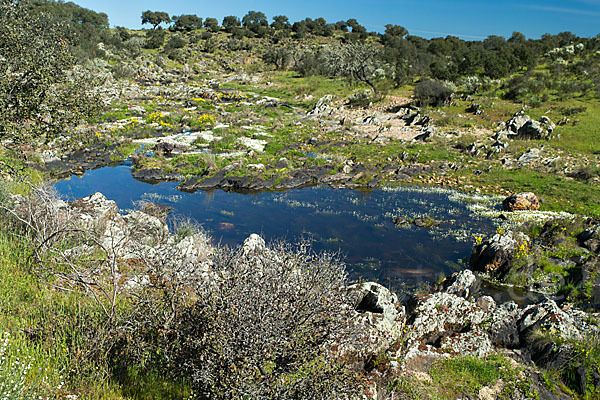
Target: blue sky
(426,18)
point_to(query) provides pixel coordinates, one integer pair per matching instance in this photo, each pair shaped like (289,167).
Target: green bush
(429,92)
(155,39)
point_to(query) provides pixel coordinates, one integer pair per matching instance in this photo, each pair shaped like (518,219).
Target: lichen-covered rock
(521,201)
(548,318)
(379,318)
(444,325)
(495,255)
(95,210)
(590,237)
(503,328)
(253,245)
(463,284)
(521,126)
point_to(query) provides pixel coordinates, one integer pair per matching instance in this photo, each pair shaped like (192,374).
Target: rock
(145,229)
(282,163)
(521,126)
(517,121)
(253,245)
(444,325)
(371,120)
(463,284)
(529,156)
(345,121)
(95,209)
(257,167)
(547,317)
(475,108)
(495,255)
(590,237)
(503,329)
(379,318)
(168,147)
(426,136)
(521,201)
(415,118)
(323,106)
(154,175)
(160,211)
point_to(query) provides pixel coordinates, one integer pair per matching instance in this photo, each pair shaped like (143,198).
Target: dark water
(358,225)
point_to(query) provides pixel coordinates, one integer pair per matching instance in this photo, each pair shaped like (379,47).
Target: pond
(358,225)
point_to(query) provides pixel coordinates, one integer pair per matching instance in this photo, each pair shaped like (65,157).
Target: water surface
(357,224)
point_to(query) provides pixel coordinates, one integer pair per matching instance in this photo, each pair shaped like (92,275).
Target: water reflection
(357,224)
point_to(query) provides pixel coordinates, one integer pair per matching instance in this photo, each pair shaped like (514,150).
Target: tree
(230,23)
(187,22)
(517,37)
(281,22)
(356,27)
(495,66)
(300,29)
(278,56)
(256,22)
(40,92)
(155,39)
(211,24)
(155,18)
(342,26)
(87,27)
(395,30)
(355,61)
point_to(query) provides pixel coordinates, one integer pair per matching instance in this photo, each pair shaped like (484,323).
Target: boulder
(379,319)
(521,201)
(253,245)
(516,122)
(323,106)
(445,325)
(495,255)
(464,284)
(549,318)
(521,126)
(95,210)
(590,237)
(503,329)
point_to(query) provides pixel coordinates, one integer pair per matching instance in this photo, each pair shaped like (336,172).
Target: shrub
(278,56)
(429,92)
(175,42)
(262,326)
(155,39)
(361,98)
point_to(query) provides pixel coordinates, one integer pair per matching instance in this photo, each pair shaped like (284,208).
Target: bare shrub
(267,324)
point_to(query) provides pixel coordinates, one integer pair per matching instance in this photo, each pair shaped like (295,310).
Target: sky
(425,18)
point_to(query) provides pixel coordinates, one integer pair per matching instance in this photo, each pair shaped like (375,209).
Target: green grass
(56,331)
(464,377)
(556,193)
(459,376)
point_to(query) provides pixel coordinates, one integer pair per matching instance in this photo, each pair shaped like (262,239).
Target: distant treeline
(400,56)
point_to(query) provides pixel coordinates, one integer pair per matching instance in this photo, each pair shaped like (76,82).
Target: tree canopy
(40,91)
(155,18)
